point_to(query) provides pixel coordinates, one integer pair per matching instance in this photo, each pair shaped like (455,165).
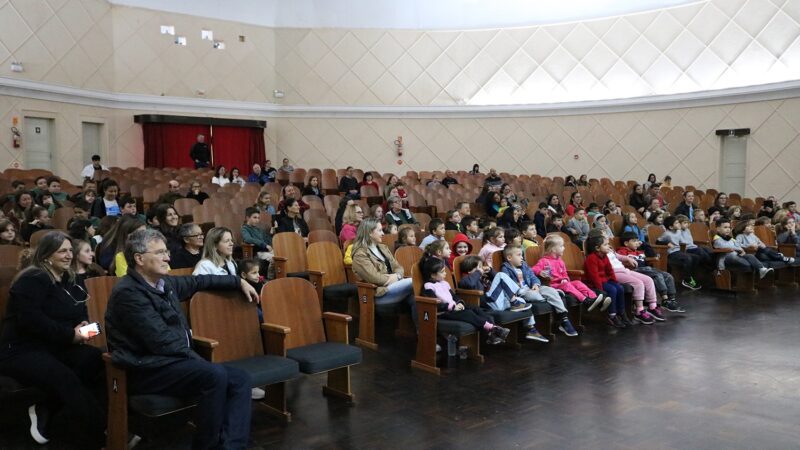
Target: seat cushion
(324,356)
(539,308)
(267,369)
(303,275)
(454,327)
(509,316)
(570,300)
(344,290)
(154,405)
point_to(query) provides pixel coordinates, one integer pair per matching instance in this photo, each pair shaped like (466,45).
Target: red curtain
(168,144)
(238,147)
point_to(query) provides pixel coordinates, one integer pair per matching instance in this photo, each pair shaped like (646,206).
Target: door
(38,143)
(733,164)
(91,140)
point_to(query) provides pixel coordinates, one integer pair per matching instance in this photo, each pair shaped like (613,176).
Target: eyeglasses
(74,300)
(194,235)
(160,253)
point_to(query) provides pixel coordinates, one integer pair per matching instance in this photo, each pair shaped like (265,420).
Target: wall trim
(153,104)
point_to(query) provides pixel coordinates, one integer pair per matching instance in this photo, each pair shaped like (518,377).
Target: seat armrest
(722,250)
(336,328)
(471,297)
(247,250)
(280,266)
(274,337)
(205,347)
(117,391)
(351,276)
(315,277)
(575,274)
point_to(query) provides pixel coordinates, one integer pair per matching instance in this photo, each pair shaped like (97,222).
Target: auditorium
(360,224)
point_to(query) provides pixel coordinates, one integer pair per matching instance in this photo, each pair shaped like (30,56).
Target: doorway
(91,140)
(39,143)
(733,164)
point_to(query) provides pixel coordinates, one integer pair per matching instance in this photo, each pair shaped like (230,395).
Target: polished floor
(724,376)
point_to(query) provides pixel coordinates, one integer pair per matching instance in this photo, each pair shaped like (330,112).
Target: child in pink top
(493,240)
(550,265)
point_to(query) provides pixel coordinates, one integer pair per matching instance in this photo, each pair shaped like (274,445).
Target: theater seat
(324,356)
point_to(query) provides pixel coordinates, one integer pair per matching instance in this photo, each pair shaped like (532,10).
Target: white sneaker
(762,272)
(257,394)
(37,418)
(597,302)
(133,441)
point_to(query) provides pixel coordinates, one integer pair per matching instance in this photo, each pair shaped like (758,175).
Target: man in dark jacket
(200,153)
(148,335)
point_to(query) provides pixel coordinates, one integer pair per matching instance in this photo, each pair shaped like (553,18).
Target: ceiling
(407,14)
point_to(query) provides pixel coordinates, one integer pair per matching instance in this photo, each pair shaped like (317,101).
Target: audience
(188,254)
(173,194)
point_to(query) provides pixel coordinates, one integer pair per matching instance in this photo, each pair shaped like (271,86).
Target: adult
(41,343)
(637,199)
(291,218)
(348,184)
(463,209)
(651,179)
(168,223)
(554,205)
(313,188)
(200,153)
(720,204)
(449,179)
(476,169)
(493,179)
(575,202)
(570,181)
(190,253)
(257,176)
(220,178)
(492,205)
(37,219)
(173,193)
(667,182)
(510,218)
(196,193)
(291,191)
(270,171)
(22,201)
(235,177)
(369,180)
(508,193)
(286,167)
(217,254)
(353,215)
(374,263)
(655,192)
(88,172)
(106,203)
(583,180)
(687,206)
(149,336)
(397,214)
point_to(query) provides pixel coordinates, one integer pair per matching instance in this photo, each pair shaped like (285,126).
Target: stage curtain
(239,147)
(168,144)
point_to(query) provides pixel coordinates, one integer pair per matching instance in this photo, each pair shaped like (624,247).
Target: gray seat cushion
(454,327)
(154,405)
(540,308)
(324,356)
(267,369)
(509,316)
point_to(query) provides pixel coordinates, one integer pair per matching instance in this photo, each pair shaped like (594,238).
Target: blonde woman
(217,254)
(353,215)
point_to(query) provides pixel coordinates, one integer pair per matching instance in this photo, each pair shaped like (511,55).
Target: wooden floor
(725,376)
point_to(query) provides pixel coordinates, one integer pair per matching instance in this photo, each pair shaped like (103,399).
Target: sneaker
(38,415)
(788,260)
(438,348)
(672,306)
(501,332)
(534,335)
(597,302)
(687,284)
(643,317)
(606,303)
(762,272)
(624,318)
(257,393)
(520,305)
(133,440)
(494,340)
(616,322)
(656,314)
(695,284)
(567,328)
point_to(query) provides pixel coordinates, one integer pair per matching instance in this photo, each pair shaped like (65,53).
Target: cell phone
(90,331)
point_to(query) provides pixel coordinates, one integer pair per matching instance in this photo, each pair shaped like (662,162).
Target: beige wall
(91,45)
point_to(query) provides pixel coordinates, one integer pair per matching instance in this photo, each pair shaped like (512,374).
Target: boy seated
(528,235)
(664,282)
(675,256)
(436,230)
(256,236)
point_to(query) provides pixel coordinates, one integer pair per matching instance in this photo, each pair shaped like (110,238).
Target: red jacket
(598,270)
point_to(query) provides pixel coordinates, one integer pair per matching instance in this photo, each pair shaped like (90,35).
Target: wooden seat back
(497,260)
(700,233)
(7,275)
(476,246)
(532,254)
(417,282)
(36,236)
(214,312)
(326,257)
(292,247)
(99,289)
(322,236)
(9,255)
(293,303)
(407,256)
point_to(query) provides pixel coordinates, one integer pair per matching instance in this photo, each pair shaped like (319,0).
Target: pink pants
(577,289)
(643,286)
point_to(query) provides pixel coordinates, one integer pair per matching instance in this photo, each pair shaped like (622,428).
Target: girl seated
(599,275)
(405,237)
(450,307)
(493,240)
(8,233)
(643,288)
(551,266)
(441,250)
(746,238)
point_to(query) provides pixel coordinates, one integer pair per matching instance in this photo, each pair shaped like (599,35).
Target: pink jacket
(558,270)
(348,232)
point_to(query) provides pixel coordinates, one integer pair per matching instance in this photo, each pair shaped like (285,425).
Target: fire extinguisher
(16,137)
(399,144)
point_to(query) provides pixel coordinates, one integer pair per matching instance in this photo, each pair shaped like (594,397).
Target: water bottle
(545,273)
(452,345)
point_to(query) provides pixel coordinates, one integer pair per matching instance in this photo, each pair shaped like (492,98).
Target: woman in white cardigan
(217,254)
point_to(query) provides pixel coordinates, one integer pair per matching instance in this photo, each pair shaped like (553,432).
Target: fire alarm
(576,157)
(399,162)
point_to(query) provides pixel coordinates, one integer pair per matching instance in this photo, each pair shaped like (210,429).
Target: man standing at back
(149,337)
(200,153)
(88,172)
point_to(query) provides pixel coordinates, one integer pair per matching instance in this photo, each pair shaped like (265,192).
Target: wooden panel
(292,247)
(99,289)
(407,256)
(293,303)
(9,255)
(213,316)
(326,257)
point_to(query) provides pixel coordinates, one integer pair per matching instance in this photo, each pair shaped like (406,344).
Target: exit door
(38,143)
(733,164)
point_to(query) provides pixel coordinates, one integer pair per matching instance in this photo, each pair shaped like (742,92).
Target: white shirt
(239,180)
(88,171)
(220,181)
(206,267)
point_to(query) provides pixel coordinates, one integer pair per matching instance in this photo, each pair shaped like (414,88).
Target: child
(600,276)
(540,218)
(460,247)
(405,237)
(655,220)
(390,229)
(528,235)
(592,210)
(487,223)
(441,250)
(498,291)
(469,226)
(644,289)
(579,227)
(700,216)
(530,288)
(630,224)
(512,236)
(734,212)
(664,282)
(452,308)
(746,238)
(601,223)
(550,265)
(675,257)
(436,230)
(453,220)
(705,254)
(249,271)
(493,240)
(255,235)
(738,258)
(557,225)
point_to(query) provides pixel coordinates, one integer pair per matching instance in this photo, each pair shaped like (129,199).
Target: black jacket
(200,152)
(286,223)
(182,259)
(145,327)
(683,208)
(347,184)
(41,315)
